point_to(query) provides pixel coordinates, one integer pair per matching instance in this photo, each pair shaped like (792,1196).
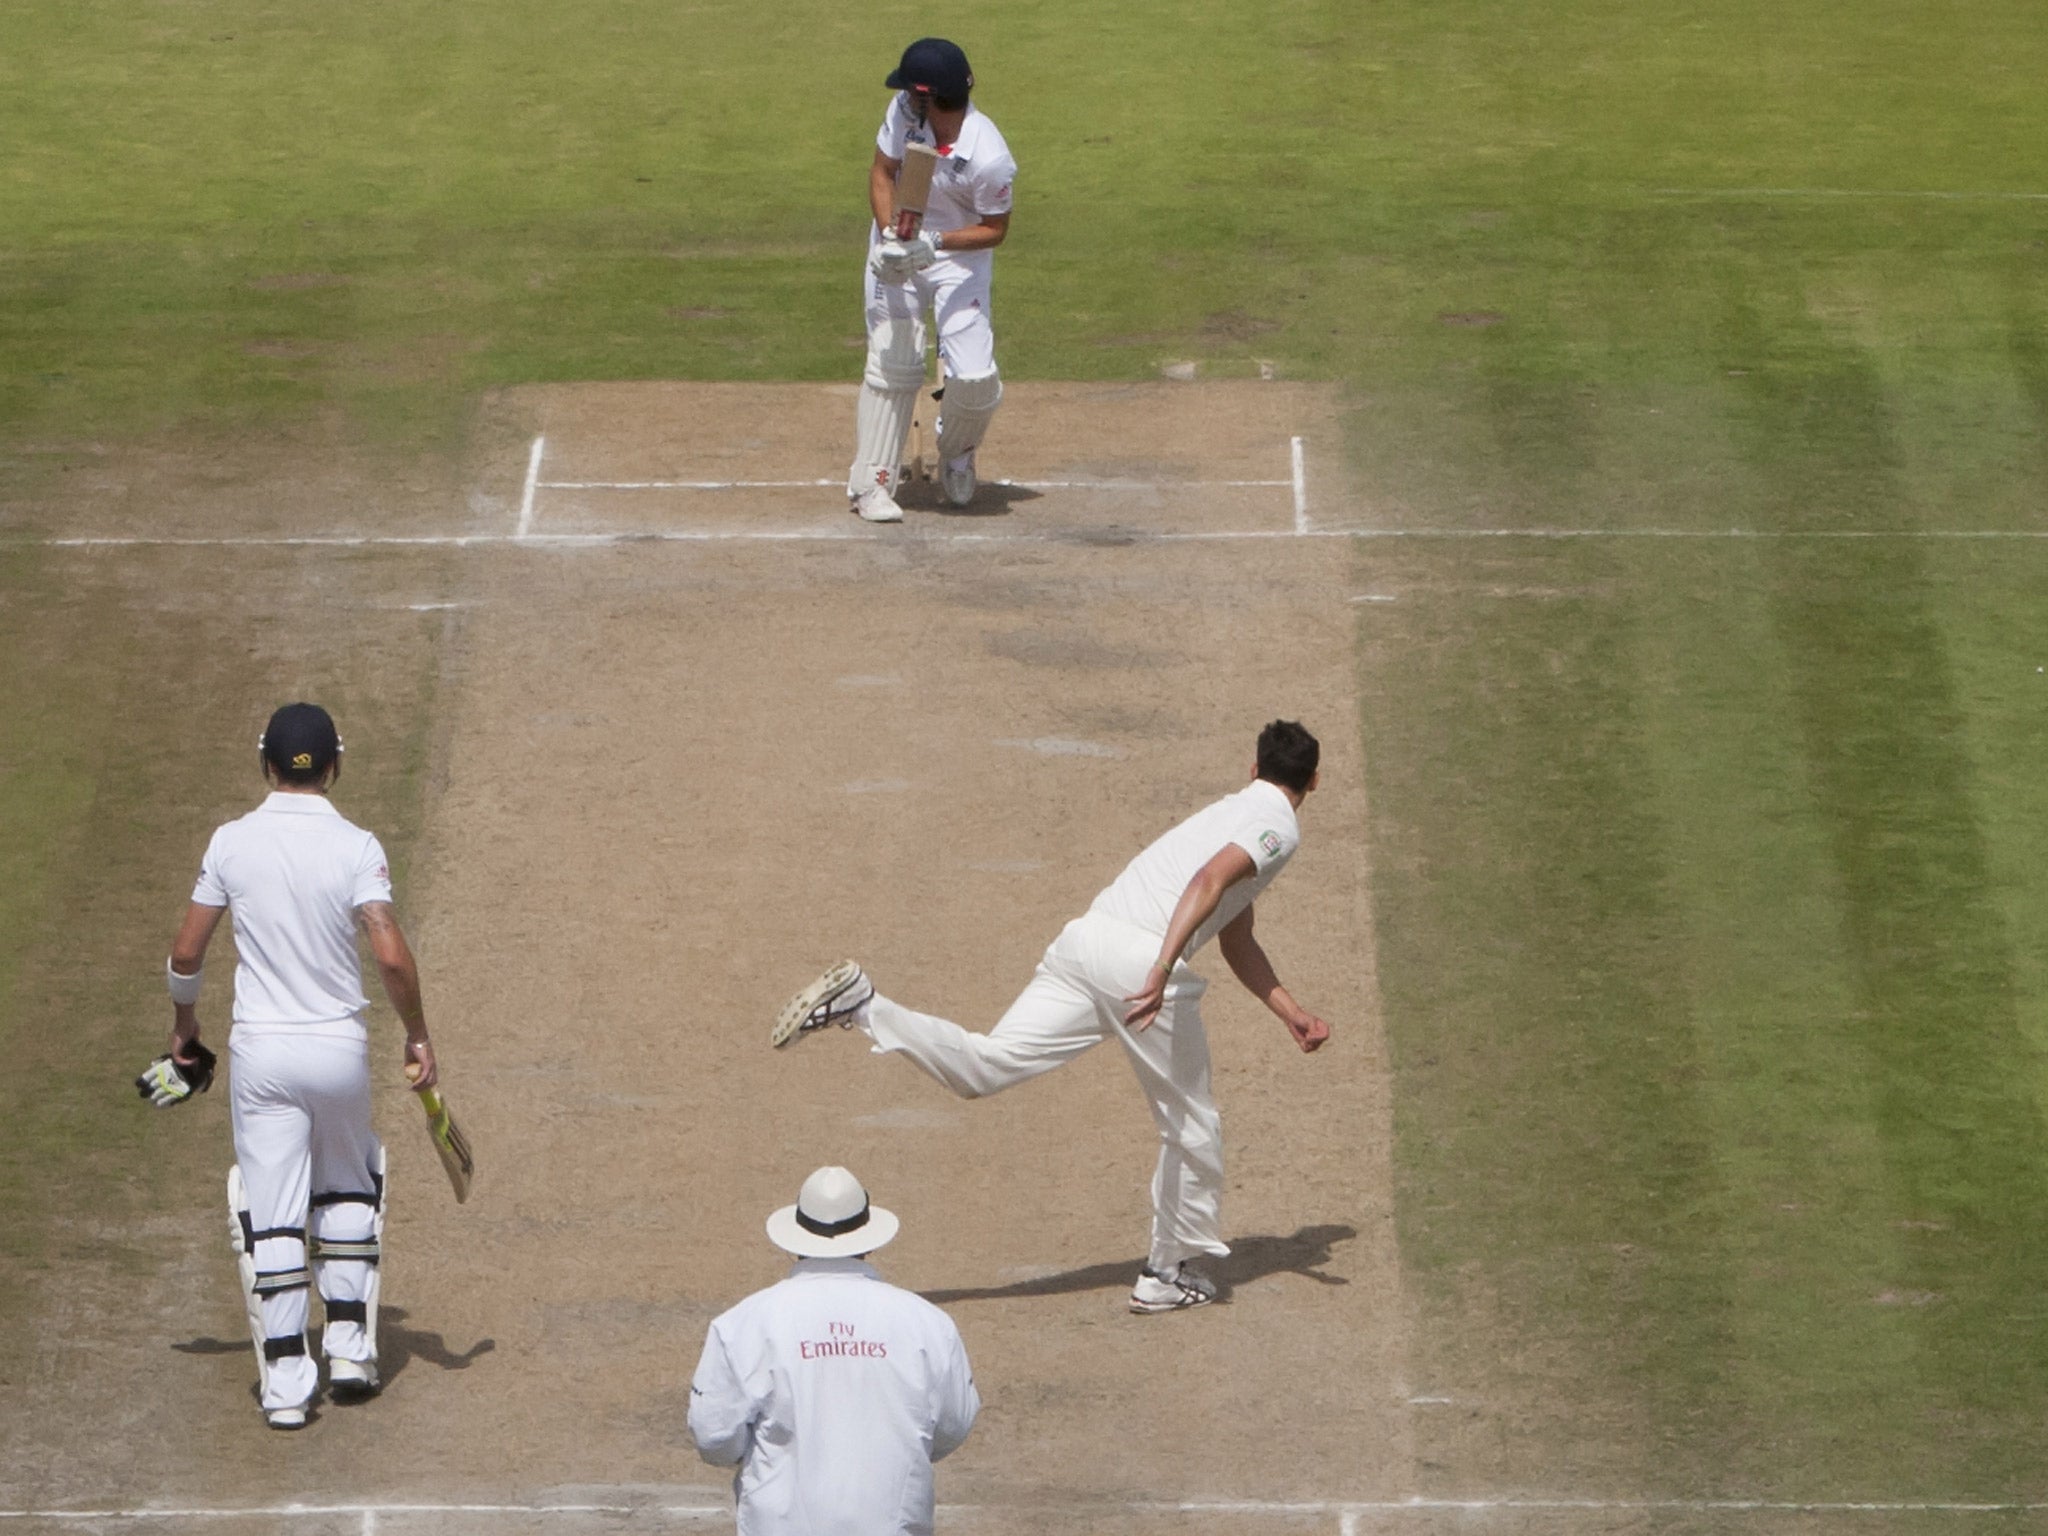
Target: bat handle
(429,1099)
(907,222)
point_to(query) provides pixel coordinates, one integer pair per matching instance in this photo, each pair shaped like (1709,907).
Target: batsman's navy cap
(933,67)
(300,739)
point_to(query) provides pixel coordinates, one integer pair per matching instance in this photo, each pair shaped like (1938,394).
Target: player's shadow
(397,1346)
(992,498)
(1251,1258)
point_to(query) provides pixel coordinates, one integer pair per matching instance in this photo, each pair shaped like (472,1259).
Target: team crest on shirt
(1270,841)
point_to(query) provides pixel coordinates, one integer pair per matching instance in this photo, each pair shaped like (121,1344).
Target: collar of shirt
(972,133)
(297,804)
(804,1267)
(1274,793)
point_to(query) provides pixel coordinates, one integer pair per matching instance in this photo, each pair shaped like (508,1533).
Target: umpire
(833,1392)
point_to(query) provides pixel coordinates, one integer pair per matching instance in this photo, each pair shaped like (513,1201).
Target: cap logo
(302,760)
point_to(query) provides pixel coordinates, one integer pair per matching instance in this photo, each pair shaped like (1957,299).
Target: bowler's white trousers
(300,1107)
(1075,1000)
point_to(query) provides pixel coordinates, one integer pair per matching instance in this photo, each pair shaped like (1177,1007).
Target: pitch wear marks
(291,874)
(833,1392)
(1078,995)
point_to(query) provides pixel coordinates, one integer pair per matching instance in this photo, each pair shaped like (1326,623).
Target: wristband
(1165,967)
(184,990)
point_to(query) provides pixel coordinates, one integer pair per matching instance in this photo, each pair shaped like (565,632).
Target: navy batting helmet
(933,68)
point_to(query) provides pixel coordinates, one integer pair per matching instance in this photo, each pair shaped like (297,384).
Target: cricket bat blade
(450,1145)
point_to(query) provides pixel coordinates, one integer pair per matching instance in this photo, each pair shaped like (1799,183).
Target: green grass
(1710,889)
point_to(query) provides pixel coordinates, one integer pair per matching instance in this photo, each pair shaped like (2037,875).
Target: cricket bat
(913,189)
(449,1143)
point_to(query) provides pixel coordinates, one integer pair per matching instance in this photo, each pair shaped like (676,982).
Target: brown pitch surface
(668,782)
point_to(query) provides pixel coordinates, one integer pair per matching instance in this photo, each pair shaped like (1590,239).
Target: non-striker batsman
(943,267)
(306,1193)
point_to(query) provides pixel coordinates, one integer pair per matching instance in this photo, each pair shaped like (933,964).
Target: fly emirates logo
(843,1343)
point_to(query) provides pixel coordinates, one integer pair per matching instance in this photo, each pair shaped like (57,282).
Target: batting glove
(921,250)
(890,261)
(168,1081)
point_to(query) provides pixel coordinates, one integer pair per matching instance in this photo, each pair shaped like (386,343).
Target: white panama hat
(832,1219)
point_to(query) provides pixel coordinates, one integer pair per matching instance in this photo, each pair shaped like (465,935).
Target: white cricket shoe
(349,1379)
(956,479)
(285,1418)
(837,997)
(876,505)
(1174,1290)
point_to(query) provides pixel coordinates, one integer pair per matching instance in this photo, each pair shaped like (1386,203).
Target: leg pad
(881,424)
(965,413)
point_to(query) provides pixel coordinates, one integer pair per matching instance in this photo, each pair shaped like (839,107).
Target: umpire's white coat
(834,1392)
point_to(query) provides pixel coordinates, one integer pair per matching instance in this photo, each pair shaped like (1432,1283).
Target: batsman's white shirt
(973,178)
(1259,819)
(291,874)
(834,1392)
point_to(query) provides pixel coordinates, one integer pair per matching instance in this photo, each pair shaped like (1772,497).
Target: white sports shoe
(956,479)
(285,1418)
(837,997)
(1174,1290)
(353,1378)
(876,505)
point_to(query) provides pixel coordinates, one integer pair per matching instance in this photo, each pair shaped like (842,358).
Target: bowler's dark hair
(1288,755)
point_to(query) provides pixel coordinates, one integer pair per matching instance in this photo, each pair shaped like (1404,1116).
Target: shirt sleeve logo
(1270,841)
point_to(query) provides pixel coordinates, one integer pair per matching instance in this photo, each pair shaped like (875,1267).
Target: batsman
(306,1193)
(931,248)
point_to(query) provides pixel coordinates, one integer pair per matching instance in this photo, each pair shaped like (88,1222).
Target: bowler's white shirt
(973,178)
(834,1392)
(1259,819)
(291,874)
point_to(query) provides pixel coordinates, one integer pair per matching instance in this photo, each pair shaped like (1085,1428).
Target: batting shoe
(286,1418)
(1172,1290)
(956,479)
(353,1380)
(876,505)
(837,997)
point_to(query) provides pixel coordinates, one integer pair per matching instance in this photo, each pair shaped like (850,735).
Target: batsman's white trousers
(300,1106)
(1074,1001)
(957,294)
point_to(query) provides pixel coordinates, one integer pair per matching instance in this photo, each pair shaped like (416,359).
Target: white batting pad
(896,354)
(965,413)
(881,423)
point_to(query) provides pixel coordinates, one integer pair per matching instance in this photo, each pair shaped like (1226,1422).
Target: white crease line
(1300,485)
(1346,1510)
(288,1511)
(1342,1507)
(1095,537)
(1713,193)
(532,482)
(1016,485)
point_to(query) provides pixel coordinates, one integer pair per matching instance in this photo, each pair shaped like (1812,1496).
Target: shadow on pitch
(992,498)
(397,1346)
(1251,1258)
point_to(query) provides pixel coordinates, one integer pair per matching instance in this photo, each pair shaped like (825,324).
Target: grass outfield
(1711,902)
